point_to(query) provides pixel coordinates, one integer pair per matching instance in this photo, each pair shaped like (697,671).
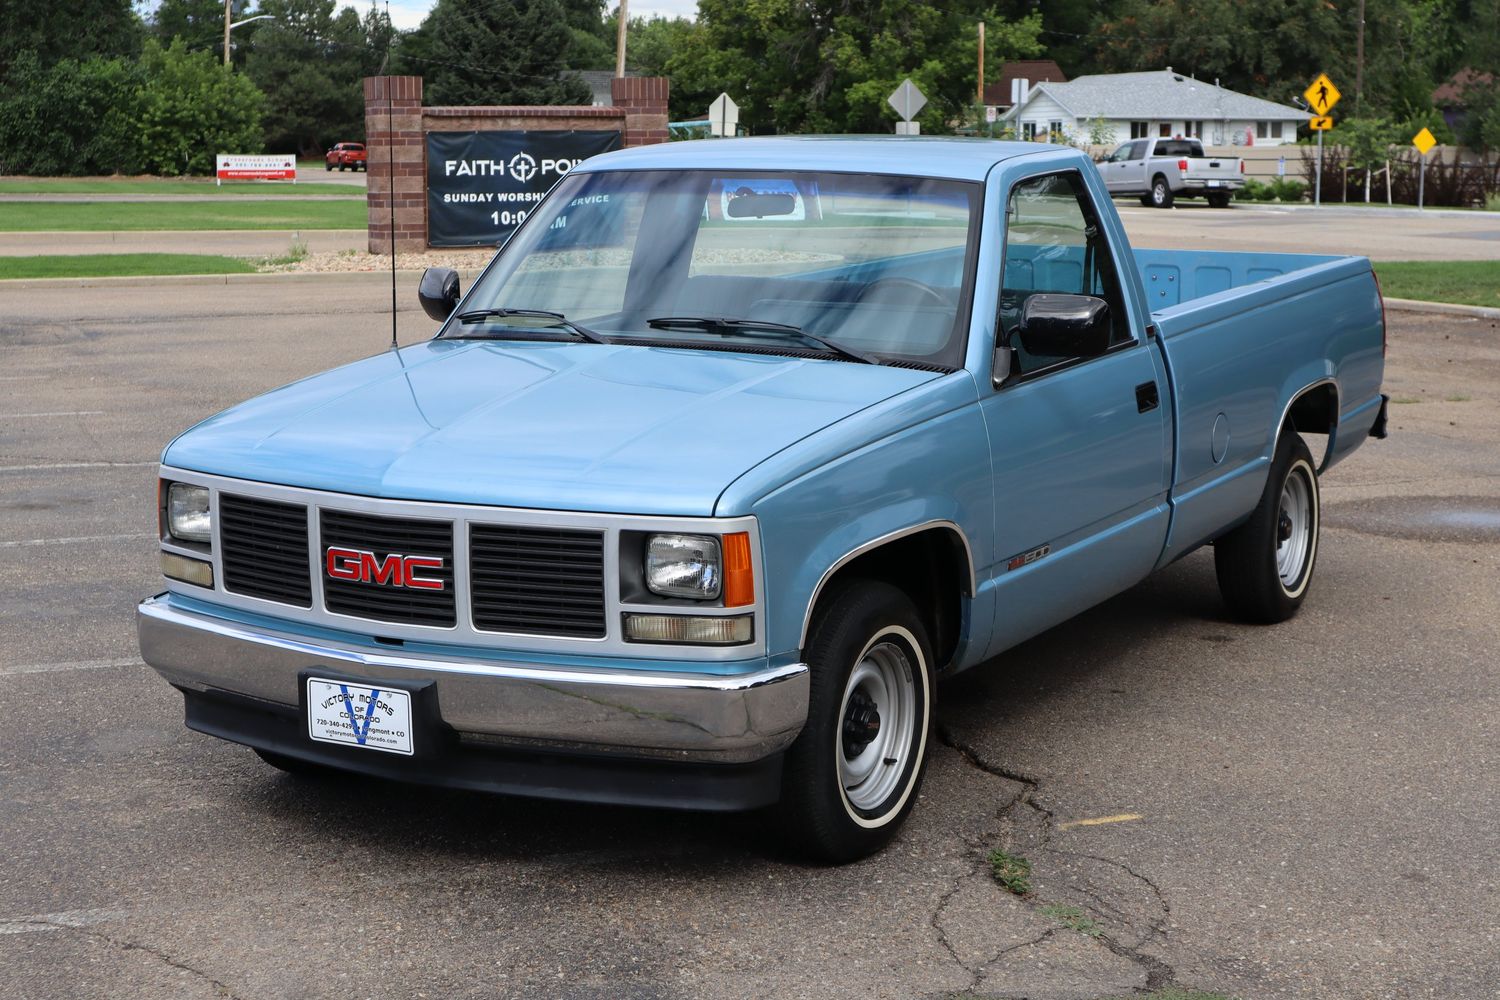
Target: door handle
(1147,398)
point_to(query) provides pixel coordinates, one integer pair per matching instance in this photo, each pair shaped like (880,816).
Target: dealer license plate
(1213,184)
(358,716)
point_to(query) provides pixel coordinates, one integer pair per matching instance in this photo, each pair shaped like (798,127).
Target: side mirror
(438,292)
(1064,326)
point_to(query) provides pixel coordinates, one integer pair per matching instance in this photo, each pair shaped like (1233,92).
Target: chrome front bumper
(656,715)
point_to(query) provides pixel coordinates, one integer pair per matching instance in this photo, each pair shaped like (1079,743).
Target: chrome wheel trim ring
(886,675)
(1295,520)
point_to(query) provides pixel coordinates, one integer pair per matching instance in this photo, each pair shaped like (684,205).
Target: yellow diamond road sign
(1322,124)
(1322,95)
(1424,141)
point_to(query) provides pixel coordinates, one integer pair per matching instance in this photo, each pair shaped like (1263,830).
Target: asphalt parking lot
(1303,811)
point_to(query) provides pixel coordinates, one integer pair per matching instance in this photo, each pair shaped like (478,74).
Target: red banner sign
(256,167)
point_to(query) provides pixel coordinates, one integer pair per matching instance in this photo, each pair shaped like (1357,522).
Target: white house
(1159,103)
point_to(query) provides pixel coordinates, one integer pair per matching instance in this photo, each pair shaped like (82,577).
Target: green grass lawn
(1467,282)
(203,186)
(236,213)
(99,265)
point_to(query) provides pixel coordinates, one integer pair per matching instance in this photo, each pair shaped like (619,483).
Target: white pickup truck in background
(1160,170)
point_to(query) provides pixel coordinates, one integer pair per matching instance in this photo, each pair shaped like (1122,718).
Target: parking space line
(57,668)
(55,413)
(1101,820)
(26,543)
(44,467)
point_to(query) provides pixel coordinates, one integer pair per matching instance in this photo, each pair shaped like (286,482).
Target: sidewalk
(231,242)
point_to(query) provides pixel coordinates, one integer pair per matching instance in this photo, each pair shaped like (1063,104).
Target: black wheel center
(1284,527)
(861,724)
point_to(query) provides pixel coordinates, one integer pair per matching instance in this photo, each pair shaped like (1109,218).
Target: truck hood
(565,426)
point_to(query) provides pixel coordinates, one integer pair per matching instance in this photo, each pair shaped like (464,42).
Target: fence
(1455,177)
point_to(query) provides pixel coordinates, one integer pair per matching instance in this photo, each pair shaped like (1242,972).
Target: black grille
(385,536)
(538,581)
(264,549)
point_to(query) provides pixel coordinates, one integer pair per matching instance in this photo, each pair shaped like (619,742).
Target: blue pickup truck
(732,452)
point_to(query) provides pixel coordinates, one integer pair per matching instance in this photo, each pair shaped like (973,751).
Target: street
(1298,811)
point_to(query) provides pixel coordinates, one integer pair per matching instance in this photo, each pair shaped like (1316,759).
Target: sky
(407,14)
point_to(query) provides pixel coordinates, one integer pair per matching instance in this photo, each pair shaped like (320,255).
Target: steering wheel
(878,289)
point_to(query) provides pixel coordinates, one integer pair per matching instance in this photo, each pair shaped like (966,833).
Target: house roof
(1451,93)
(1154,95)
(1032,70)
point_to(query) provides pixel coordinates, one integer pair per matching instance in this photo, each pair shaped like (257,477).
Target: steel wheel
(852,776)
(1293,529)
(879,715)
(1266,564)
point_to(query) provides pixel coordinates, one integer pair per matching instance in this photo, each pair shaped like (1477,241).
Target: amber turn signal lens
(739,576)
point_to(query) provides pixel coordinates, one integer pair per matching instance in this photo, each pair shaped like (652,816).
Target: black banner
(481,185)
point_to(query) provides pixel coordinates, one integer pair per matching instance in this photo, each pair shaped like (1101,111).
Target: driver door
(1080,447)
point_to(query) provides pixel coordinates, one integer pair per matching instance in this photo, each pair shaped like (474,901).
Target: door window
(1054,243)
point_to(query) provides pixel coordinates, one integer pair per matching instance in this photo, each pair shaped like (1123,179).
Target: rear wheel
(1161,193)
(1265,565)
(851,778)
(1218,199)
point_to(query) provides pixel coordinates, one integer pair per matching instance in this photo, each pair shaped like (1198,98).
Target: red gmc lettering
(394,570)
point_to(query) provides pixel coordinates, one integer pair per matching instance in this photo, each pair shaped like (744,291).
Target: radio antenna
(390,149)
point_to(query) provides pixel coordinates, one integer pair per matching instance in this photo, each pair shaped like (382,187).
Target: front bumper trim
(645,714)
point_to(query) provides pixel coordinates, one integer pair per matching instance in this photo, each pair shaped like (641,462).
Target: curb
(1448,308)
(155,281)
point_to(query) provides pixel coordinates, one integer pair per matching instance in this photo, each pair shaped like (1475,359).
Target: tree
(73,30)
(189,109)
(309,62)
(200,25)
(828,65)
(499,52)
(69,118)
(592,45)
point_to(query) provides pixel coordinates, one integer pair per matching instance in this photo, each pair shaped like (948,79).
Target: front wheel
(1265,565)
(851,778)
(327,167)
(1161,194)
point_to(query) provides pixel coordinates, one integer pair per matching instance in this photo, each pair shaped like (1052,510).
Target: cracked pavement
(1315,800)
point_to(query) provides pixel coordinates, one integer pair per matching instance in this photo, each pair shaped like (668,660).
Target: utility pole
(979,90)
(228,15)
(620,40)
(1359,59)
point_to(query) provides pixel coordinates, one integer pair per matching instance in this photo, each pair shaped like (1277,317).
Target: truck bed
(1244,334)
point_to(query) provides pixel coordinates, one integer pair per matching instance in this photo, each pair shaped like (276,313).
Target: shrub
(191,109)
(1252,191)
(1287,190)
(69,118)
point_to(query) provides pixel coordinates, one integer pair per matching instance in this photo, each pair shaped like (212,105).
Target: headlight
(187,513)
(683,566)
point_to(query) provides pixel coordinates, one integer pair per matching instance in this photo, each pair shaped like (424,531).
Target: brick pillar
(644,101)
(393,132)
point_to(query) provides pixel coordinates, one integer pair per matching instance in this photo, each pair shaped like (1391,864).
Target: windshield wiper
(725,324)
(479,315)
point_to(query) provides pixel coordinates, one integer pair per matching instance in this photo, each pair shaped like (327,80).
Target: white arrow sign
(907,100)
(723,116)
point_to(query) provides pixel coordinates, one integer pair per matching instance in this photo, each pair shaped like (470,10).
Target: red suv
(346,156)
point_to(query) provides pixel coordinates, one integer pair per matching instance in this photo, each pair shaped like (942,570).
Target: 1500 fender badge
(394,570)
(1027,558)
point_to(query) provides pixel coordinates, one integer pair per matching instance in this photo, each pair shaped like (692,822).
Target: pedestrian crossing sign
(1322,95)
(1424,141)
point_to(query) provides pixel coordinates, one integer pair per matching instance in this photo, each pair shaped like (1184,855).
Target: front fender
(934,472)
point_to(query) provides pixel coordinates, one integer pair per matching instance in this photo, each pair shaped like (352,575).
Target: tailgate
(1218,168)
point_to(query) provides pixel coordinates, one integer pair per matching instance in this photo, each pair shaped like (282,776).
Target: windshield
(869,266)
